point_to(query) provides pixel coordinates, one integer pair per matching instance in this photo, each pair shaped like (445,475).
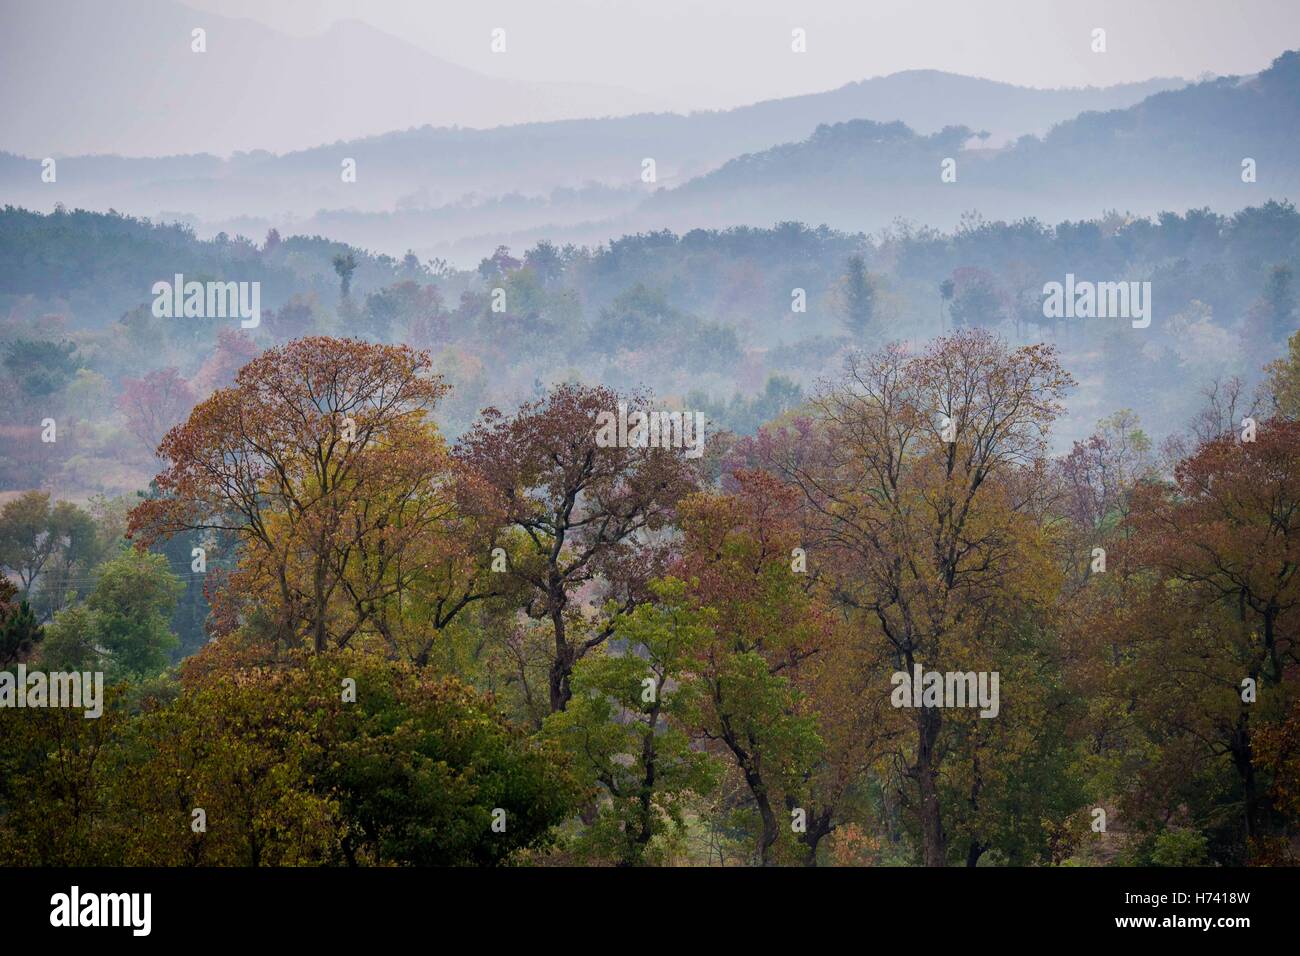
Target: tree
(639,317)
(234,349)
(1277,750)
(976,299)
(154,403)
(737,555)
(404,308)
(920,480)
(947,289)
(41,366)
(57,777)
(132,603)
(1227,401)
(1224,539)
(544,259)
(1098,477)
(1100,472)
(19,630)
(858,296)
(124,620)
(580,513)
(72,640)
(296,318)
(49,548)
(624,727)
(345,263)
(1274,313)
(287,767)
(25,539)
(1284,380)
(499,265)
(78,548)
(321,461)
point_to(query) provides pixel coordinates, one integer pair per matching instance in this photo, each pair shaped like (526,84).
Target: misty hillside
(458,192)
(1178,148)
(403,466)
(705,316)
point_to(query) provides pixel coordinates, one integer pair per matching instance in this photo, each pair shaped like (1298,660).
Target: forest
(522,645)
(739,323)
(637,437)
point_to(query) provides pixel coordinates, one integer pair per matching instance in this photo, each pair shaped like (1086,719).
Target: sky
(122,76)
(685,54)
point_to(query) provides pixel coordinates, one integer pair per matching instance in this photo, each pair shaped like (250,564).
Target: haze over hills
(468,186)
(511,507)
(856,157)
(1177,149)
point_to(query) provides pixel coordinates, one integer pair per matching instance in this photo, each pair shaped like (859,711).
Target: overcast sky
(121,76)
(708,53)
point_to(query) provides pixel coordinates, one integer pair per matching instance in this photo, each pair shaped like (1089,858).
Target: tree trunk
(819,827)
(318,625)
(645,799)
(770,831)
(1243,760)
(934,843)
(561,667)
(565,656)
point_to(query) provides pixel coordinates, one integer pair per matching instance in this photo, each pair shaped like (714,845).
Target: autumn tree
(920,481)
(1226,403)
(323,463)
(1223,539)
(738,553)
(1284,380)
(1097,479)
(57,777)
(233,350)
(409,769)
(1277,750)
(577,514)
(154,403)
(287,767)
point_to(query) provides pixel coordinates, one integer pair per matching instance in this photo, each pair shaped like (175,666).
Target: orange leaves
(737,550)
(322,459)
(1230,528)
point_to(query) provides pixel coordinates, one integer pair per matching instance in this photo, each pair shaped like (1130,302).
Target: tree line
(524,646)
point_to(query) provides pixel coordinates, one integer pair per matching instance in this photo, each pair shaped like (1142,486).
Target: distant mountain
(85,76)
(432,185)
(1176,149)
(929,100)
